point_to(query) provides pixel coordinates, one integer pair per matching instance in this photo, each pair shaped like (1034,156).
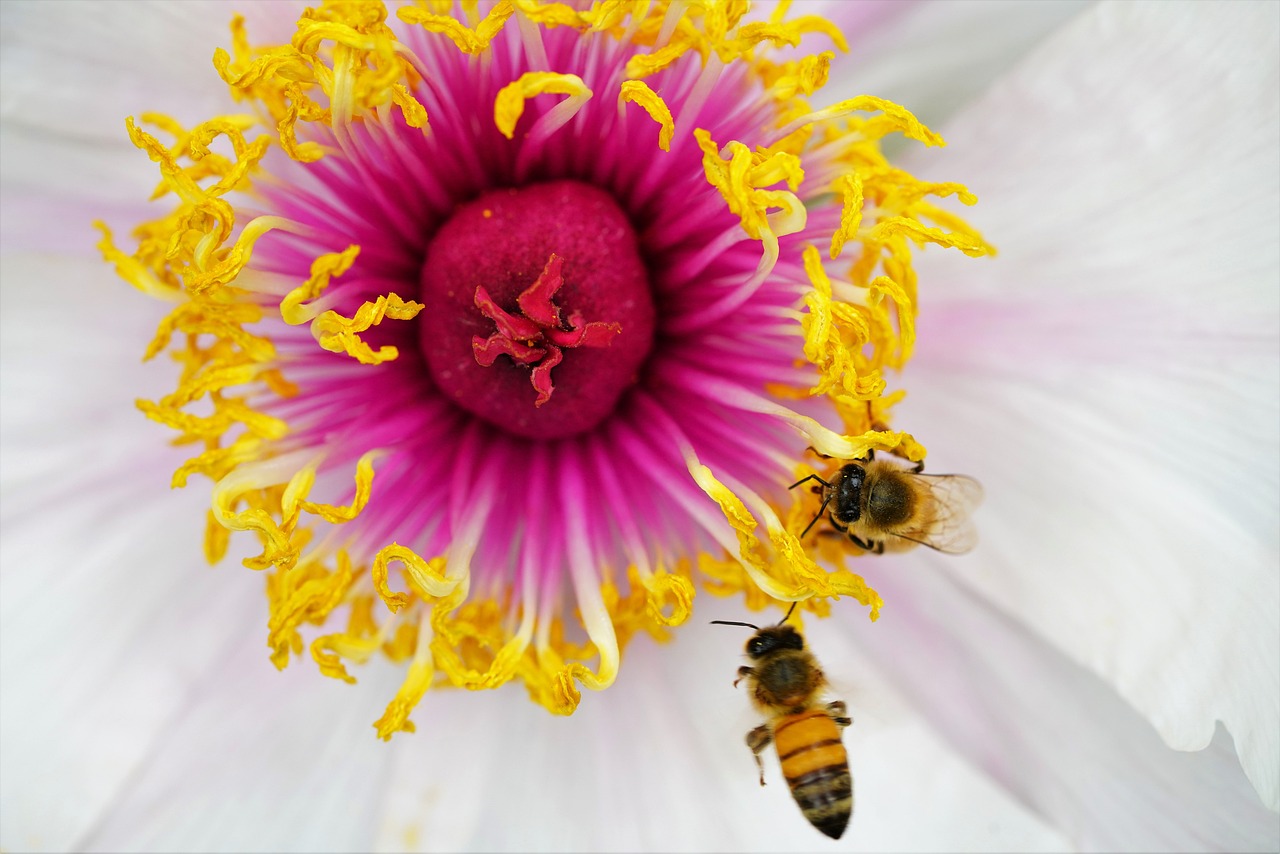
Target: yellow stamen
(427,576)
(647,64)
(324,268)
(741,180)
(337,514)
(835,337)
(508,107)
(132,270)
(651,103)
(467,39)
(665,589)
(605,15)
(305,594)
(417,681)
(850,189)
(550,14)
(339,334)
(892,118)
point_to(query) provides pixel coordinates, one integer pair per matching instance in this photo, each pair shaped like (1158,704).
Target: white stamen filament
(531,38)
(730,302)
(586,586)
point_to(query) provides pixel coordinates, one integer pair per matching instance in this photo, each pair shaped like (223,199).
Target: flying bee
(785,686)
(883,506)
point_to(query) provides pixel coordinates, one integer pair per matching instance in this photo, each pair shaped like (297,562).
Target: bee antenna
(733,623)
(789,610)
(816,517)
(826,500)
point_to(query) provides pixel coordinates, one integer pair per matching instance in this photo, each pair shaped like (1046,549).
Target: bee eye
(757,647)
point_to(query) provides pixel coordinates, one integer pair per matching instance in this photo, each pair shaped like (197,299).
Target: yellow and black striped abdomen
(817,769)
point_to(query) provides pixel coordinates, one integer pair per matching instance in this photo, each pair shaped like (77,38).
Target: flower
(913,592)
(559,322)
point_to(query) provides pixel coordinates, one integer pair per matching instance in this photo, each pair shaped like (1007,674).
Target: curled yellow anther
(666,589)
(324,268)
(646,64)
(340,334)
(396,717)
(468,40)
(651,103)
(550,14)
(508,107)
(850,189)
(364,488)
(742,180)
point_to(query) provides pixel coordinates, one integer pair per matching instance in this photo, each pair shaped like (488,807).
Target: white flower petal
(1050,731)
(101,634)
(104,637)
(934,57)
(1113,376)
(260,761)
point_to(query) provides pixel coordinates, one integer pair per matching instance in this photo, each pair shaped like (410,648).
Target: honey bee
(883,506)
(786,685)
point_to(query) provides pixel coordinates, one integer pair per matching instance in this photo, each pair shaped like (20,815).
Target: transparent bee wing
(945,525)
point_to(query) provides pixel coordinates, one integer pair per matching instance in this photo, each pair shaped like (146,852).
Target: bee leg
(837,711)
(758,739)
(876,547)
(743,673)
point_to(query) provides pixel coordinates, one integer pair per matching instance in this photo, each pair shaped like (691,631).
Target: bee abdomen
(816,767)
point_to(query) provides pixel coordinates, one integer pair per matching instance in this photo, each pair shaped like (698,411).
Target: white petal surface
(1049,730)
(260,761)
(1113,376)
(936,56)
(103,631)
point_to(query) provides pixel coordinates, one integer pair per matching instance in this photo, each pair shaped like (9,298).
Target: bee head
(773,638)
(848,493)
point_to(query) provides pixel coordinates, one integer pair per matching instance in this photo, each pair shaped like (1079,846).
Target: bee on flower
(501,325)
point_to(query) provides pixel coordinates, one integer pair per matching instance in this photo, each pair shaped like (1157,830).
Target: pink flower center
(539,315)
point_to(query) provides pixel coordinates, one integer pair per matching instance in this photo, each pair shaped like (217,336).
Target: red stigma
(537,338)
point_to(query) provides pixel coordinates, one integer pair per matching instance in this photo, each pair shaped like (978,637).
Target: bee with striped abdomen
(786,685)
